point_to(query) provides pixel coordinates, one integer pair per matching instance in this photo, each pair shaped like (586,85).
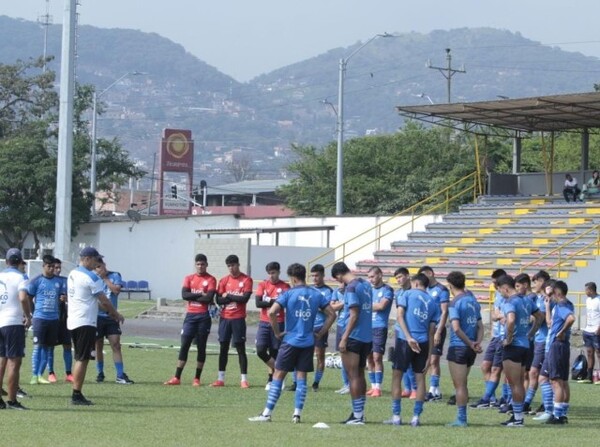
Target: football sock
(357,408)
(530,395)
(372,378)
(547,397)
(300,396)
(406,381)
(396,407)
(461,414)
(244,378)
(378,378)
(68,359)
(221,376)
(273,396)
(318,375)
(50,359)
(518,410)
(119,368)
(36,357)
(490,389)
(178,372)
(198,373)
(99,367)
(418,408)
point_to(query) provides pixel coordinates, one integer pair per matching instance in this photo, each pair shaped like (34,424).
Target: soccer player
(539,349)
(64,335)
(356,341)
(559,352)
(233,293)
(15,318)
(46,290)
(382,297)
(85,292)
(301,304)
(317,274)
(198,290)
(337,304)
(466,334)
(591,332)
(517,311)
(417,316)
(441,295)
(267,345)
(402,276)
(109,328)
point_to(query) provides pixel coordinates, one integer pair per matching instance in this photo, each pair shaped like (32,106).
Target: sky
(246,38)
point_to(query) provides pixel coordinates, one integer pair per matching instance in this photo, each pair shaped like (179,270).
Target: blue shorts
(106,326)
(461,355)
(405,357)
(490,351)
(362,348)
(439,349)
(45,332)
(379,339)
(517,354)
(12,341)
(498,355)
(292,358)
(232,330)
(322,342)
(265,337)
(591,340)
(545,370)
(559,360)
(196,327)
(539,354)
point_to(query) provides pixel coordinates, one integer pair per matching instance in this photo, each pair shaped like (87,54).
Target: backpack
(579,368)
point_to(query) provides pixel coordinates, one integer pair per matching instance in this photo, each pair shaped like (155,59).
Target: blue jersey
(301,304)
(420,310)
(46,293)
(326,291)
(467,311)
(439,293)
(381,317)
(336,296)
(115,278)
(560,313)
(358,295)
(523,308)
(542,333)
(497,326)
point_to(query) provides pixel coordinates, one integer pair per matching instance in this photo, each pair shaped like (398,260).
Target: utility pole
(447,71)
(45,21)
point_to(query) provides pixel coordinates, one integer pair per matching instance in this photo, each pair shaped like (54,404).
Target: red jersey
(199,284)
(240,285)
(269,292)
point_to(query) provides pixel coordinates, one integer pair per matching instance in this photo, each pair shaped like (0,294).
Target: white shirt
(570,184)
(11,282)
(83,287)
(592,320)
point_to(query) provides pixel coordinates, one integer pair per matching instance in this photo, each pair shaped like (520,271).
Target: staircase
(516,233)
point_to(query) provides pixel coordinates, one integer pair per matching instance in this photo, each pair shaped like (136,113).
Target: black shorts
(339,332)
(45,332)
(322,342)
(405,357)
(107,326)
(12,341)
(539,354)
(517,354)
(232,330)
(591,340)
(439,349)
(363,349)
(290,358)
(64,334)
(265,337)
(559,360)
(196,327)
(530,354)
(84,342)
(379,339)
(462,355)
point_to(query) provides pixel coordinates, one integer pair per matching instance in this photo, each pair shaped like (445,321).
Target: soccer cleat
(343,390)
(561,420)
(2,404)
(481,404)
(173,381)
(393,421)
(376,393)
(52,378)
(196,382)
(78,399)
(452,400)
(405,394)
(218,383)
(34,380)
(69,378)
(22,394)
(457,423)
(430,397)
(543,417)
(293,387)
(512,422)
(124,380)
(100,377)
(315,387)
(413,395)
(354,420)
(541,409)
(268,386)
(370,392)
(244,384)
(585,381)
(42,381)
(15,405)
(505,408)
(526,408)
(296,419)
(260,418)
(415,422)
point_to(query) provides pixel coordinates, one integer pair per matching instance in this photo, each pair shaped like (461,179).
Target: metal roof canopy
(539,114)
(258,231)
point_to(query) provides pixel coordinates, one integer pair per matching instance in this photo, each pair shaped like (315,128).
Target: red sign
(177,151)
(176,171)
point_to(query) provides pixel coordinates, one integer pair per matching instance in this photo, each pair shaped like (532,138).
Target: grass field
(151,414)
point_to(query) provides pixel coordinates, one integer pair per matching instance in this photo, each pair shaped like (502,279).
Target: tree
(28,155)
(240,168)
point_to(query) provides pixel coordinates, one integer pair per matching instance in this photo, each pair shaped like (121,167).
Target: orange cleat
(244,384)
(405,394)
(218,383)
(196,382)
(173,381)
(370,392)
(376,393)
(413,395)
(52,378)
(69,378)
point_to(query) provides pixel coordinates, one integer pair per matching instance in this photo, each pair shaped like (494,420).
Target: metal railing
(466,185)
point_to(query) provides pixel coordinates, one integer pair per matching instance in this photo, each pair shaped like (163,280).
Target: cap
(91,252)
(14,255)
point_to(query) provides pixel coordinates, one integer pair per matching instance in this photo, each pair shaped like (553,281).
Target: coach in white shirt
(591,332)
(84,293)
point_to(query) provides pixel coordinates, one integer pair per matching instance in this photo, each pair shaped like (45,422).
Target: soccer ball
(329,362)
(337,363)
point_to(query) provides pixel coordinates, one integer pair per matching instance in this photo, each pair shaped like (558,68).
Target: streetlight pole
(95,97)
(339,190)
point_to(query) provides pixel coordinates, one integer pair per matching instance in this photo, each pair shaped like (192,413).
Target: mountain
(257,121)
